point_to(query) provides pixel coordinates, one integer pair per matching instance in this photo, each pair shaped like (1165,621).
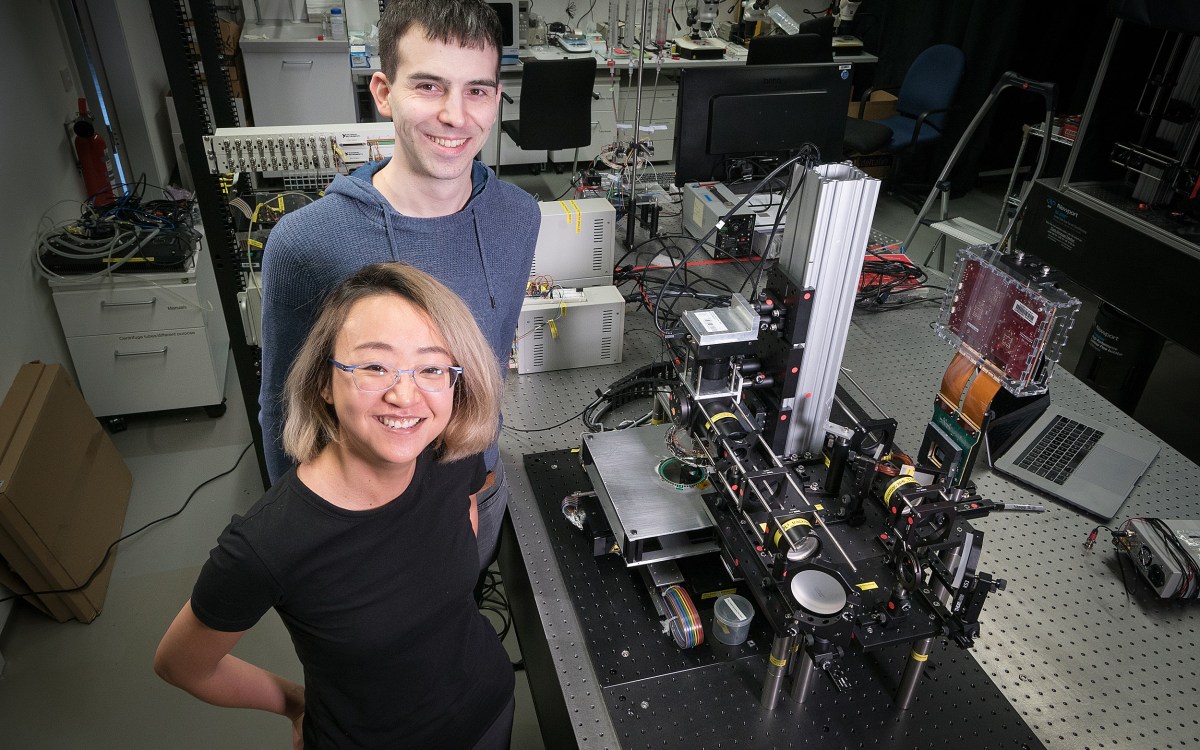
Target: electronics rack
(189,36)
(303,156)
(304,149)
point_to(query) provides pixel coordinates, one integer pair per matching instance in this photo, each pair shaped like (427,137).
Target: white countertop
(268,36)
(736,55)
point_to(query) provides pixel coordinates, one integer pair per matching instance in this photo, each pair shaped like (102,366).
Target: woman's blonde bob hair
(310,423)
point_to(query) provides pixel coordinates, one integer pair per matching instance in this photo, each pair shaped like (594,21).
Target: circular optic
(681,475)
(818,592)
(806,548)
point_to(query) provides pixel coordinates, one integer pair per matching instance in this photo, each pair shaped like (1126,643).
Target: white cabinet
(659,104)
(146,341)
(293,78)
(604,120)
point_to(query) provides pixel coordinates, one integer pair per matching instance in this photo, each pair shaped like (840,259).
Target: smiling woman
(366,550)
(350,330)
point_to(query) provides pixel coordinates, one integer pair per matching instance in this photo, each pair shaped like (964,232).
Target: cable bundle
(685,620)
(883,277)
(639,384)
(115,234)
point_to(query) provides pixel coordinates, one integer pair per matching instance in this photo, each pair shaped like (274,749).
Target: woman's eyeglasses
(374,377)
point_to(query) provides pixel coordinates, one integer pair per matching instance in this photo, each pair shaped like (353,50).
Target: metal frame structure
(204,101)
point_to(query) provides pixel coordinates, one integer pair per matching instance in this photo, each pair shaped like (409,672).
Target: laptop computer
(1078,460)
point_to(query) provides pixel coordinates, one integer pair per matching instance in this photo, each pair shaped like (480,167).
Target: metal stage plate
(658,695)
(659,521)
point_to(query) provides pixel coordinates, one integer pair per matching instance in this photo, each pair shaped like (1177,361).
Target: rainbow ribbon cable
(685,620)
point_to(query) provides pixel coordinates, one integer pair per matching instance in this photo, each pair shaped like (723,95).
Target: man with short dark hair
(430,205)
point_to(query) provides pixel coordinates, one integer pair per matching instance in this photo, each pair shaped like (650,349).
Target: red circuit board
(1003,321)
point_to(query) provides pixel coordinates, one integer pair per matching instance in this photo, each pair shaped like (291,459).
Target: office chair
(555,109)
(925,97)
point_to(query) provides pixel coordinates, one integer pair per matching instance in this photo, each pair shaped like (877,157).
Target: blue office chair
(925,97)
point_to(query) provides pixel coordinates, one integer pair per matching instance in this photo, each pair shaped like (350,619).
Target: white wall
(38,172)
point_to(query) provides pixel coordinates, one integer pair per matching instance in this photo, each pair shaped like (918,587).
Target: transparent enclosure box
(1006,315)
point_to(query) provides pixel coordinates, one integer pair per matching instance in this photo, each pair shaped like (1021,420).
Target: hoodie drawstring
(482,261)
(388,226)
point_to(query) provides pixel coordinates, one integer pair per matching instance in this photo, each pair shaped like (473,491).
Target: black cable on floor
(111,547)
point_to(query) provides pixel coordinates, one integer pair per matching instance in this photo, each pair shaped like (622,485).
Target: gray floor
(91,686)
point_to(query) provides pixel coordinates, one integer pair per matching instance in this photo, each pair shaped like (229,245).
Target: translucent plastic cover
(1007,317)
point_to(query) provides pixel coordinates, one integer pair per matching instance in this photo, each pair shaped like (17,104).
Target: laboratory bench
(1076,652)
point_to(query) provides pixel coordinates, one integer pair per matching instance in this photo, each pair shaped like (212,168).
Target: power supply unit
(576,242)
(575,328)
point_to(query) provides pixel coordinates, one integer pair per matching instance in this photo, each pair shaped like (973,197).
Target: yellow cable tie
(553,329)
(919,657)
(578,217)
(254,243)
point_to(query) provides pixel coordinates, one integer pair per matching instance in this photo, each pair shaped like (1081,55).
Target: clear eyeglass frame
(431,378)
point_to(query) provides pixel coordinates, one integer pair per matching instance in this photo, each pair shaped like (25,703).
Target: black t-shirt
(379,606)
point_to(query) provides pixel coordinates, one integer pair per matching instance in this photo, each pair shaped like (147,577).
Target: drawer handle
(106,303)
(298,62)
(138,354)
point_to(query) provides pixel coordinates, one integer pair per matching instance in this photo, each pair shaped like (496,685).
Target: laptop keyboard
(1060,448)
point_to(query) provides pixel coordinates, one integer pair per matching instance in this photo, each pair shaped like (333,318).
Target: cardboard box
(877,165)
(880,105)
(64,490)
(230,36)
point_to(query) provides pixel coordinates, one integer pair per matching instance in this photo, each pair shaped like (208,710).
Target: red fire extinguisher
(93,159)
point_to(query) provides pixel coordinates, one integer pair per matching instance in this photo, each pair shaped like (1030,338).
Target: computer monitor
(789,50)
(510,24)
(735,114)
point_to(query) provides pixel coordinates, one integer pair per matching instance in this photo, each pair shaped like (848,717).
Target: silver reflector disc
(818,592)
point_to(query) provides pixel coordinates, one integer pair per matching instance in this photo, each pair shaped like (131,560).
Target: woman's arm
(487,483)
(196,658)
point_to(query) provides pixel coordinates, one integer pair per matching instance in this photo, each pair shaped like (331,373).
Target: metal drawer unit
(659,104)
(147,341)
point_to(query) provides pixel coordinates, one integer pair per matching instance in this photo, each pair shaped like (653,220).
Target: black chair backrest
(788,50)
(931,83)
(556,103)
(822,25)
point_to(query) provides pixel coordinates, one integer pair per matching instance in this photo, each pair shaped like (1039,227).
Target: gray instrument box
(576,328)
(1154,561)
(576,242)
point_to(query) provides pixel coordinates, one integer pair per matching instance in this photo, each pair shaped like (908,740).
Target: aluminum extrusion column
(823,247)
